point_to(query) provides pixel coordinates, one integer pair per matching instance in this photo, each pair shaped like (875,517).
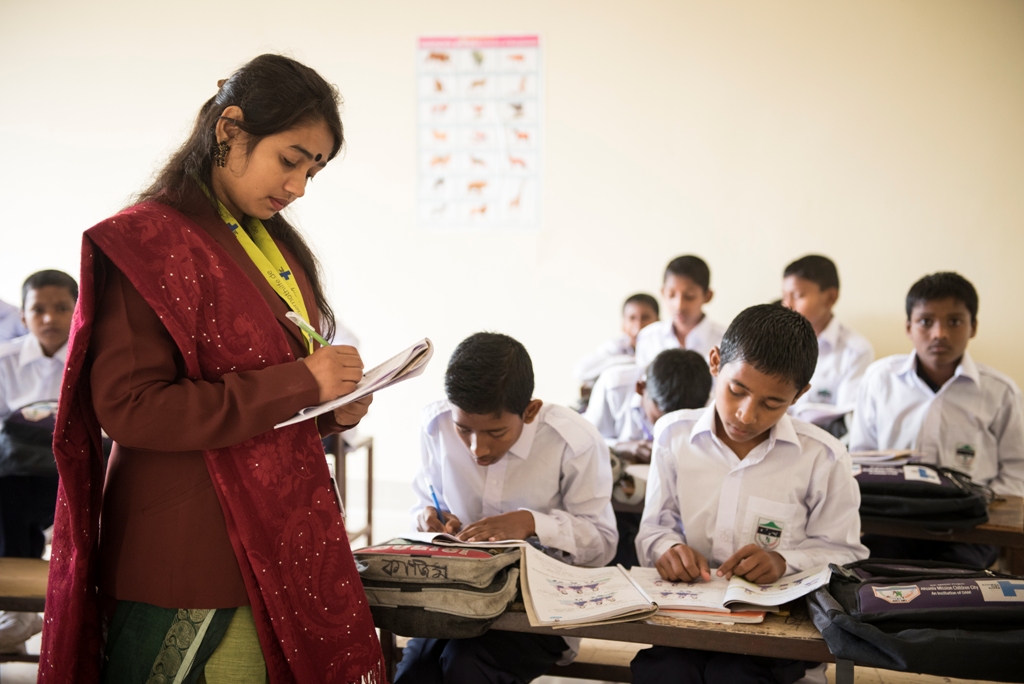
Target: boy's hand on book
(636,451)
(350,414)
(754,564)
(337,370)
(682,564)
(514,525)
(427,521)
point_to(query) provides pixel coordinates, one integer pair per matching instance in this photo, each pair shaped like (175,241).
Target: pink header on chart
(479,42)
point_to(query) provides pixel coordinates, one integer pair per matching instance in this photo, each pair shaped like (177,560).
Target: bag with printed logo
(442,592)
(929,496)
(923,616)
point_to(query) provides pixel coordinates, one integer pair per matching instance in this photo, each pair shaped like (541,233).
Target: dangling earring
(220,153)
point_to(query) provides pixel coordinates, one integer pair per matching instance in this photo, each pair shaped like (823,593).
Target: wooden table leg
(844,671)
(390,649)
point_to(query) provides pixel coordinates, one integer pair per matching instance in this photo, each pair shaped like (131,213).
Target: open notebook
(402,366)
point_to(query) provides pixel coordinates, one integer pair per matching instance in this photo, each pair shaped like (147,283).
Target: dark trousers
(667,665)
(493,658)
(27,504)
(625,553)
(977,555)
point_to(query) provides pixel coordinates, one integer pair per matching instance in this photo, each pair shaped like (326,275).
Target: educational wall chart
(479,124)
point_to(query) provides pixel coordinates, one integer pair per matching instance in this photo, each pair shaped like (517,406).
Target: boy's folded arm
(863,429)
(1009,430)
(142,400)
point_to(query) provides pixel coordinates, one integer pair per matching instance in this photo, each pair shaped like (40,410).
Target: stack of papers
(893,457)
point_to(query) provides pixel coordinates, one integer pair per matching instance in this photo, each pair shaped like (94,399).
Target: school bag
(443,592)
(925,617)
(923,495)
(26,441)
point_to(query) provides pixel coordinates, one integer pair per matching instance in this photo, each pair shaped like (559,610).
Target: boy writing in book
(938,401)
(504,465)
(741,488)
(810,286)
(686,288)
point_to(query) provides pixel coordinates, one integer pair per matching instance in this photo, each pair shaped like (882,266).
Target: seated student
(506,466)
(810,286)
(31,368)
(627,402)
(687,288)
(722,474)
(10,322)
(639,311)
(938,401)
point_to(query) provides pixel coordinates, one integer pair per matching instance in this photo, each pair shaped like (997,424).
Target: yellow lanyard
(263,251)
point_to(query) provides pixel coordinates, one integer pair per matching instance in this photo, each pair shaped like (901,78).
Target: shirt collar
(783,431)
(829,337)
(524,444)
(32,350)
(966,368)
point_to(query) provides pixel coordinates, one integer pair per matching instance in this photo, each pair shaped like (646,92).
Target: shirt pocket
(769,524)
(964,444)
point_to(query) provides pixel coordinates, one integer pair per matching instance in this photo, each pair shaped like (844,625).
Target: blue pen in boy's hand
(437,505)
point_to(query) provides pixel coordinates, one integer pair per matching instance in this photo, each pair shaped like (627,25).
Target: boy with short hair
(686,288)
(31,368)
(722,474)
(938,401)
(638,311)
(506,466)
(810,286)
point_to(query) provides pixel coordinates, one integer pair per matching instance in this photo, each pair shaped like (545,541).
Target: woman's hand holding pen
(337,370)
(427,521)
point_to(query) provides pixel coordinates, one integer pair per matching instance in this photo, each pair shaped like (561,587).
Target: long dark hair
(275,94)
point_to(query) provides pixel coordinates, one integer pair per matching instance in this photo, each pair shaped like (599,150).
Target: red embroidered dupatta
(311,614)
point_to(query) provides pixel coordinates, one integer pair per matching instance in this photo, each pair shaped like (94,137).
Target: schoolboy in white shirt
(938,401)
(810,286)
(31,368)
(638,311)
(686,288)
(10,322)
(742,487)
(506,466)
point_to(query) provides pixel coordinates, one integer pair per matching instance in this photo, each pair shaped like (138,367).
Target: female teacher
(211,548)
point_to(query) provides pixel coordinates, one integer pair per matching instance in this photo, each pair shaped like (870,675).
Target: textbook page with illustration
(724,596)
(402,366)
(558,594)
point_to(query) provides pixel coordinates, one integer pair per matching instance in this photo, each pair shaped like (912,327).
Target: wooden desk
(339,447)
(794,636)
(22,588)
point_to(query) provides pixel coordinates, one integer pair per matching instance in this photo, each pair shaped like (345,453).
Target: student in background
(810,286)
(506,466)
(686,288)
(10,322)
(31,368)
(639,311)
(742,487)
(938,401)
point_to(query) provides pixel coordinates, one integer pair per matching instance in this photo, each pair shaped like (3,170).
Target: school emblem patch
(825,395)
(904,594)
(964,457)
(769,533)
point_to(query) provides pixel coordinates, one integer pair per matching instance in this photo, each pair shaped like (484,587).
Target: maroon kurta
(163,538)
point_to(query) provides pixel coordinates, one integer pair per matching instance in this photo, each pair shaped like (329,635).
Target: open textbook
(402,366)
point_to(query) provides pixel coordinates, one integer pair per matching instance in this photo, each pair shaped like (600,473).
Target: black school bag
(928,496)
(26,441)
(442,592)
(925,617)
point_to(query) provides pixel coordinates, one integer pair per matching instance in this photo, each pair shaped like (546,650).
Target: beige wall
(889,135)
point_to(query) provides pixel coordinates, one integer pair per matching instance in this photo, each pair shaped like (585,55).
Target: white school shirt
(615,352)
(610,406)
(659,336)
(843,357)
(559,469)
(973,424)
(27,375)
(10,322)
(794,494)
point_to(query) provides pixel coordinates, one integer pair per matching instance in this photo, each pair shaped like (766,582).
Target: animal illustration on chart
(521,135)
(517,109)
(515,201)
(477,161)
(440,57)
(522,84)
(478,211)
(439,109)
(517,57)
(438,86)
(478,137)
(477,83)
(440,160)
(440,135)
(516,161)
(439,183)
(478,110)
(478,57)
(476,186)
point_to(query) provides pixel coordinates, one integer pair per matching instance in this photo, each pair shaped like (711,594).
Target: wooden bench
(22,588)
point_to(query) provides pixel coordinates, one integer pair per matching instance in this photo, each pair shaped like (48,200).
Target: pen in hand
(306,327)
(437,504)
